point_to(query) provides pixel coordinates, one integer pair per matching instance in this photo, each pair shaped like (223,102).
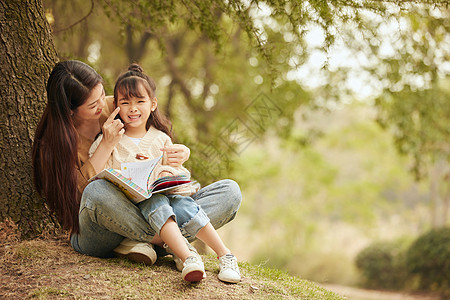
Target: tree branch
(176,77)
(77,22)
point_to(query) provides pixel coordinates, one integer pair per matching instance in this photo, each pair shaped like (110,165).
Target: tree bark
(136,49)
(27,57)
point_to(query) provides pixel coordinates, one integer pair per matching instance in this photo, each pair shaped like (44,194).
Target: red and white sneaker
(193,270)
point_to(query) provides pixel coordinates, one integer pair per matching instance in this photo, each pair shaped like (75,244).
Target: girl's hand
(112,129)
(164,174)
(177,154)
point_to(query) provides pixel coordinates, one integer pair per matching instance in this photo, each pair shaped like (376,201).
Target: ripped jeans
(106,216)
(189,216)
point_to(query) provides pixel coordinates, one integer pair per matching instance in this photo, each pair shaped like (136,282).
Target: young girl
(148,133)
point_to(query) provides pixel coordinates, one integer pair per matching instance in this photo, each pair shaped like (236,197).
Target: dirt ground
(48,268)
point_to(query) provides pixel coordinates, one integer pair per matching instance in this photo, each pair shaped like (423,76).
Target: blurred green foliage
(421,265)
(429,259)
(383,265)
(415,103)
(405,59)
(312,208)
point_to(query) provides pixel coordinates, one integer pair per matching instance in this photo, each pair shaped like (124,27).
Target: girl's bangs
(130,87)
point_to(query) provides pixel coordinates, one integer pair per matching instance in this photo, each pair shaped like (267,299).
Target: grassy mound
(50,269)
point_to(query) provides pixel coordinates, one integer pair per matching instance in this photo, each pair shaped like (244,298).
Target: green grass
(51,269)
(49,292)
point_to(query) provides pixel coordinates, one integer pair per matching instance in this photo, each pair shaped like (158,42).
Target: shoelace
(230,262)
(192,259)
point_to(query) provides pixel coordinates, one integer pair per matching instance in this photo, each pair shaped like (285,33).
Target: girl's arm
(175,154)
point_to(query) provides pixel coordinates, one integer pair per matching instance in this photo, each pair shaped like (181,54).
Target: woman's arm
(103,147)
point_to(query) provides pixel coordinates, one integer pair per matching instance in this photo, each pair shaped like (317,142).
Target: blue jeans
(189,216)
(106,216)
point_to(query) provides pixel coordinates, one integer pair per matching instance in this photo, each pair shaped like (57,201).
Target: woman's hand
(112,129)
(112,132)
(177,154)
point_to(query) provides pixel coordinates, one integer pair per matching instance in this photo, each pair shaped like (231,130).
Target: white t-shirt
(135,140)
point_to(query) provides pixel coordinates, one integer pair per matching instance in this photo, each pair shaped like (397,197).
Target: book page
(139,171)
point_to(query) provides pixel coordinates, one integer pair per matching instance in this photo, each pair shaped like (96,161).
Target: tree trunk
(27,57)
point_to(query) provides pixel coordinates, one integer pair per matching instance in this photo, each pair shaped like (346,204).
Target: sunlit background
(339,140)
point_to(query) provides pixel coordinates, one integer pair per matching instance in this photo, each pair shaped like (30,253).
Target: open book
(134,180)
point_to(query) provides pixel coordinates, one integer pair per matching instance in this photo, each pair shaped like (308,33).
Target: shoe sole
(194,276)
(137,254)
(139,258)
(230,280)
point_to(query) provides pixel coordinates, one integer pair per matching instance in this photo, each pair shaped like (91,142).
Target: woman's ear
(154,104)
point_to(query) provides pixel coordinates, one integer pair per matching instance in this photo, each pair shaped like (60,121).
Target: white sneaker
(136,251)
(193,269)
(176,259)
(229,269)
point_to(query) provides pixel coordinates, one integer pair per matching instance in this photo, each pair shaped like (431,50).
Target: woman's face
(92,108)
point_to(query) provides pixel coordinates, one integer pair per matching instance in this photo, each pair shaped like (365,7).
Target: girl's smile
(134,117)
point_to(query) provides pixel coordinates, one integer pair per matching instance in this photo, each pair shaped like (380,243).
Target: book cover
(133,191)
(134,180)
(168,183)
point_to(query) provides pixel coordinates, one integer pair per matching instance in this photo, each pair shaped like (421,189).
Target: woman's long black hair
(55,146)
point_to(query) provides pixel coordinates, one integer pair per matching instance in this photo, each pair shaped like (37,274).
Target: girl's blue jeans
(106,216)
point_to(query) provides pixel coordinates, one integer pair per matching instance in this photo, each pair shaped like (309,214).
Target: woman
(101,220)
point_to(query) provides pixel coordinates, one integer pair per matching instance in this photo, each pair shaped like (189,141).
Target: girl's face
(92,108)
(135,111)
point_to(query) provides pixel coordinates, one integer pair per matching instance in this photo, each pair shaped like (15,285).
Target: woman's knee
(234,193)
(95,187)
(101,193)
(229,208)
